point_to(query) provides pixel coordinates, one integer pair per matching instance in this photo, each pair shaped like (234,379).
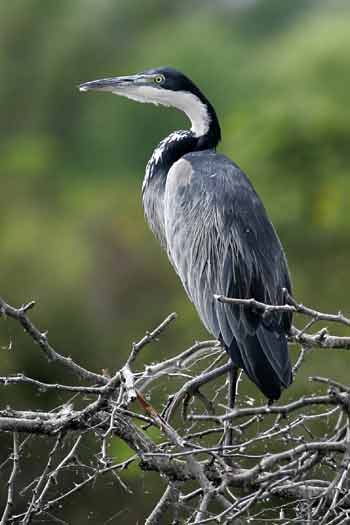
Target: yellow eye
(159,79)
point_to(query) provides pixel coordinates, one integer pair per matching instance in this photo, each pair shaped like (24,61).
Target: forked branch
(272,450)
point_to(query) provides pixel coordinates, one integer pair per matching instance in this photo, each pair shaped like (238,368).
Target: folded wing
(221,241)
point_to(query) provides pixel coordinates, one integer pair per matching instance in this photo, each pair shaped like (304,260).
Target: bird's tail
(265,359)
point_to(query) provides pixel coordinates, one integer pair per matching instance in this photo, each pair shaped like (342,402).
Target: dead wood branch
(275,450)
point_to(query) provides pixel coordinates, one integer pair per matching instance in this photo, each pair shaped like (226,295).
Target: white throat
(186,102)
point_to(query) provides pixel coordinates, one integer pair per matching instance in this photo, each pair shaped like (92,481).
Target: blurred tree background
(72,231)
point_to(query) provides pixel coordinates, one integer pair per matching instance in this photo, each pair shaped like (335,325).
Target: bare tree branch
(220,464)
(11,482)
(41,338)
(170,498)
(291,306)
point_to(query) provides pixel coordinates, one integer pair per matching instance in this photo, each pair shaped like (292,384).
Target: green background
(72,231)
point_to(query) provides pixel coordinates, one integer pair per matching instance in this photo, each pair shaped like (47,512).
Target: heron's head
(165,86)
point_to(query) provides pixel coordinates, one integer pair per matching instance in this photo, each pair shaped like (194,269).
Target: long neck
(170,150)
(205,134)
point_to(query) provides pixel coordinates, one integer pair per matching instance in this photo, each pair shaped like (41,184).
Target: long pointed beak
(108,84)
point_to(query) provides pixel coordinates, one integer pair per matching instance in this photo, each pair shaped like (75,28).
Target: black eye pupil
(158,79)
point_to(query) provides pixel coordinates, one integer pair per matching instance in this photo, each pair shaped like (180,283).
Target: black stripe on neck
(178,144)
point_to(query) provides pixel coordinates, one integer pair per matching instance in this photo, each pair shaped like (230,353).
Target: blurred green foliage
(72,232)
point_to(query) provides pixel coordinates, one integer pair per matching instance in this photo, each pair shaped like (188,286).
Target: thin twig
(292,307)
(41,338)
(11,482)
(169,499)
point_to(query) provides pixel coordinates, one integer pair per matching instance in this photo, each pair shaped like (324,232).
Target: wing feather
(221,241)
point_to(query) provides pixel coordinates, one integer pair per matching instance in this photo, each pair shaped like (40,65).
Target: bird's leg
(231,395)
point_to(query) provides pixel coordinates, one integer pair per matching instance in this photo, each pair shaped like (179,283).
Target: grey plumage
(207,216)
(220,241)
